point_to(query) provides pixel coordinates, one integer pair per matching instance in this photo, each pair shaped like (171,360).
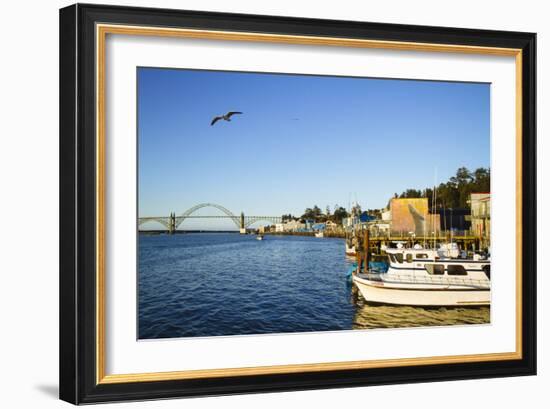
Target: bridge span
(172,222)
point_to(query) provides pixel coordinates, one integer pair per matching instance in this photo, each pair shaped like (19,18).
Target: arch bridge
(172,222)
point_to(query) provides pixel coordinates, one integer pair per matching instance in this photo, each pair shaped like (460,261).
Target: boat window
(399,257)
(421,255)
(435,269)
(456,270)
(409,258)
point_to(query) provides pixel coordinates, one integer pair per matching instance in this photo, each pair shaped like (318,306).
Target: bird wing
(233,113)
(216,119)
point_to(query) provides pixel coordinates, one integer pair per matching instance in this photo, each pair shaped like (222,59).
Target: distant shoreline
(307,234)
(157,232)
(339,235)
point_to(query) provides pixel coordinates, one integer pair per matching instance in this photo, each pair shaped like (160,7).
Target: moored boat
(320,234)
(350,243)
(350,249)
(421,277)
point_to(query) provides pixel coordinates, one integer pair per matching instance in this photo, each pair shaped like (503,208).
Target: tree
(411,193)
(455,193)
(287,218)
(312,213)
(376,213)
(482,180)
(317,211)
(339,214)
(463,177)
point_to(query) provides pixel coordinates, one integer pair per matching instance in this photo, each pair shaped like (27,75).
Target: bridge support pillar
(172,224)
(242,230)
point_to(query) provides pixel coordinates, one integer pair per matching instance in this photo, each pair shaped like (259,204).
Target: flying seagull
(226,117)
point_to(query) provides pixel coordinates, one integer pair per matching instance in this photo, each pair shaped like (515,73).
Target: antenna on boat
(444,219)
(434,206)
(451,222)
(424,232)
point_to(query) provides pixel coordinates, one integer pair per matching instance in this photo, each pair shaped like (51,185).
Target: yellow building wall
(411,215)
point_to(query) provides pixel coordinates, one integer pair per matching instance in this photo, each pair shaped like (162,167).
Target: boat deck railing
(439,280)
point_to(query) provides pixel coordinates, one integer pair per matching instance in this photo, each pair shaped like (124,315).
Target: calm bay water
(229,284)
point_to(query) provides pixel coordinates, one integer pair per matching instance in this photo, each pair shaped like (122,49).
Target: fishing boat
(425,277)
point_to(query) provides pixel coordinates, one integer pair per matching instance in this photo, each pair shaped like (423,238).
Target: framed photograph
(257,203)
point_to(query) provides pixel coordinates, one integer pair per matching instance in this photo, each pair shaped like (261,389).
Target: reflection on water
(229,284)
(392,316)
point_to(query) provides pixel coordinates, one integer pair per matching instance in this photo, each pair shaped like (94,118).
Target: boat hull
(381,293)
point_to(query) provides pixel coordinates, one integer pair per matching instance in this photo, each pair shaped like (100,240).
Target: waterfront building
(379,228)
(290,226)
(480,204)
(364,221)
(307,224)
(411,216)
(331,226)
(293,225)
(457,220)
(318,227)
(348,223)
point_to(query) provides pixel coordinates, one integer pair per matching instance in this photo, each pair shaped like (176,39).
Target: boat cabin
(419,261)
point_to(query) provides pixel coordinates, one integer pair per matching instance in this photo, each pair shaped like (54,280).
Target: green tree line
(455,193)
(316,215)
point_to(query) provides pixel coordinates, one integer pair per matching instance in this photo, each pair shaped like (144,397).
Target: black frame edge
(77,205)
(68,389)
(529,204)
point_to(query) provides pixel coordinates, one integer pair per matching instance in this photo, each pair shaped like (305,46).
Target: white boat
(421,277)
(259,237)
(350,249)
(448,250)
(319,234)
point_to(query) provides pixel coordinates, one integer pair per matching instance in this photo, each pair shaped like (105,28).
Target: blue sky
(301,141)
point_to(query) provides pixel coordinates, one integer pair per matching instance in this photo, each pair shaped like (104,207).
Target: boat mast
(424,245)
(366,245)
(451,224)
(434,202)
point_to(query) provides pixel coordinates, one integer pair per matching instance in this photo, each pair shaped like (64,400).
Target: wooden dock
(466,242)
